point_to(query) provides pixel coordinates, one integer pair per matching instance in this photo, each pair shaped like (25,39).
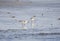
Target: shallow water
(51,13)
(18,36)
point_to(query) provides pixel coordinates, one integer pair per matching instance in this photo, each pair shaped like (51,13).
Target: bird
(32,21)
(58,18)
(33,18)
(8,13)
(13,17)
(24,22)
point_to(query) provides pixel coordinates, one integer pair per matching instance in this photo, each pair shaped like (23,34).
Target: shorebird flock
(31,21)
(24,22)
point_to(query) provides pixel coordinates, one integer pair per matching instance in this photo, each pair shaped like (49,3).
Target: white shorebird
(24,22)
(33,21)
